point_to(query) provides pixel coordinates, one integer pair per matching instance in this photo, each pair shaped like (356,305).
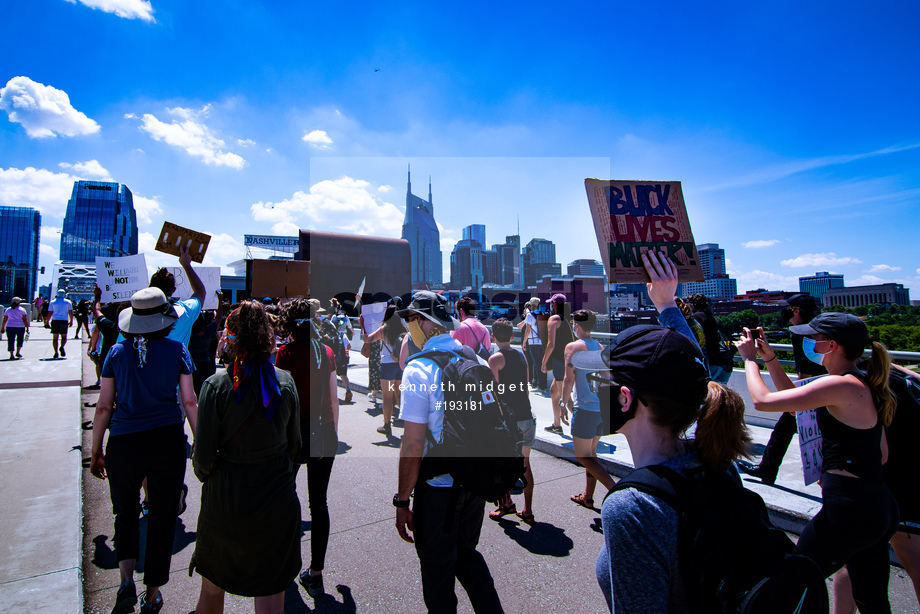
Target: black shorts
(59,327)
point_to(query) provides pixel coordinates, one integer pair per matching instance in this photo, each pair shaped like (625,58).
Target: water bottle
(26,338)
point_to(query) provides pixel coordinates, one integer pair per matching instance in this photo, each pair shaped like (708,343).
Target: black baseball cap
(659,362)
(844,328)
(432,306)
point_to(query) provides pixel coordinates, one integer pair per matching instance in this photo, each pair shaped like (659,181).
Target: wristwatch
(398,503)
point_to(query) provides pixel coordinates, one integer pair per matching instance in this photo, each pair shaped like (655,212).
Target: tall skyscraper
(476,232)
(468,264)
(712,259)
(421,231)
(819,283)
(19,237)
(100,221)
(538,259)
(509,272)
(718,285)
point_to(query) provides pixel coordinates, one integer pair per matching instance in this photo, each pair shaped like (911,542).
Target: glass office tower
(100,221)
(19,236)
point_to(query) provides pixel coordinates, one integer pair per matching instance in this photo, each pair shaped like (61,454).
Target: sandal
(526,518)
(580,500)
(498,512)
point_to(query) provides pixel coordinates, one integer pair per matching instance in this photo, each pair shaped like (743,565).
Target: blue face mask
(808,346)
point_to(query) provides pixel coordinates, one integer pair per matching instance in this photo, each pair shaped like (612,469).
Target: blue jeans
(447,525)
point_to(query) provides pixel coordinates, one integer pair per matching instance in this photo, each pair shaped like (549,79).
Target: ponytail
(877,376)
(721,434)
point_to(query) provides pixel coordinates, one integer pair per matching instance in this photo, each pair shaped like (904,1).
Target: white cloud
(223,249)
(43,110)
(129,9)
(318,139)
(246,142)
(90,169)
(881,268)
(386,188)
(759,244)
(286,229)
(145,207)
(867,280)
(343,205)
(146,243)
(38,188)
(825,259)
(47,250)
(193,136)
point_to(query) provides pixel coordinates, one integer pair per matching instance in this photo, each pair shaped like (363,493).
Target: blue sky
(793,126)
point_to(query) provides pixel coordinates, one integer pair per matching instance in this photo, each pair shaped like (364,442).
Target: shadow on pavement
(542,538)
(294,602)
(104,556)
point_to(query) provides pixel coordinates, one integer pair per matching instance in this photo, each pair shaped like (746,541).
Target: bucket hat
(432,306)
(150,312)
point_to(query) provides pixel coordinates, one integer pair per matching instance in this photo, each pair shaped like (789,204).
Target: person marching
(859,514)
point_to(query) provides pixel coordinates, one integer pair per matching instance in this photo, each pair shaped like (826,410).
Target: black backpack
(732,558)
(481,445)
(329,335)
(903,464)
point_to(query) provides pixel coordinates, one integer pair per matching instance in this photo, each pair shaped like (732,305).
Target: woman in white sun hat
(146,439)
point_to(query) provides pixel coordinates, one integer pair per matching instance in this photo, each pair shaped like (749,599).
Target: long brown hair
(877,374)
(721,434)
(253,334)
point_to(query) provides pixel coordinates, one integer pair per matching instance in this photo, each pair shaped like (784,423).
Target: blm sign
(119,278)
(632,217)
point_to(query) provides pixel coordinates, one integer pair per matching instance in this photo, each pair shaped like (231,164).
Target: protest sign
(373,316)
(810,440)
(210,277)
(280,278)
(119,278)
(173,237)
(631,217)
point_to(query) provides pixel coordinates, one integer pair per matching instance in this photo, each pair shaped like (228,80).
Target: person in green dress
(247,441)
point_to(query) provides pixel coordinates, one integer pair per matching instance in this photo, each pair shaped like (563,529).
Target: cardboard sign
(280,278)
(119,278)
(631,217)
(210,277)
(810,440)
(172,237)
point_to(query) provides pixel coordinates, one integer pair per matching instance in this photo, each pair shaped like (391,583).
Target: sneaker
(145,509)
(386,430)
(63,353)
(553,429)
(126,598)
(348,396)
(55,355)
(154,607)
(313,584)
(756,471)
(372,396)
(182,495)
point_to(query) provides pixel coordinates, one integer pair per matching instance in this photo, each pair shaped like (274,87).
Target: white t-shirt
(423,397)
(59,308)
(534,338)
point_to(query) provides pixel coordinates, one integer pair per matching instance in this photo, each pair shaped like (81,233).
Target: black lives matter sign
(631,217)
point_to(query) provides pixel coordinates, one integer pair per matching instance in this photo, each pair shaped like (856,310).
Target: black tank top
(857,451)
(564,336)
(514,373)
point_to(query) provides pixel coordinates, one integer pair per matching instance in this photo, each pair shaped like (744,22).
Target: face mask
(618,417)
(808,346)
(418,335)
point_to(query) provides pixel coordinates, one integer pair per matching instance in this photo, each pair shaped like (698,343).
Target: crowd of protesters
(275,406)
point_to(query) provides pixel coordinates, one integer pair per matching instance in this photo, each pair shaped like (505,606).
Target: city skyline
(274,131)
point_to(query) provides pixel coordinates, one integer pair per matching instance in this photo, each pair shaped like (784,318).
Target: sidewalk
(41,548)
(790,502)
